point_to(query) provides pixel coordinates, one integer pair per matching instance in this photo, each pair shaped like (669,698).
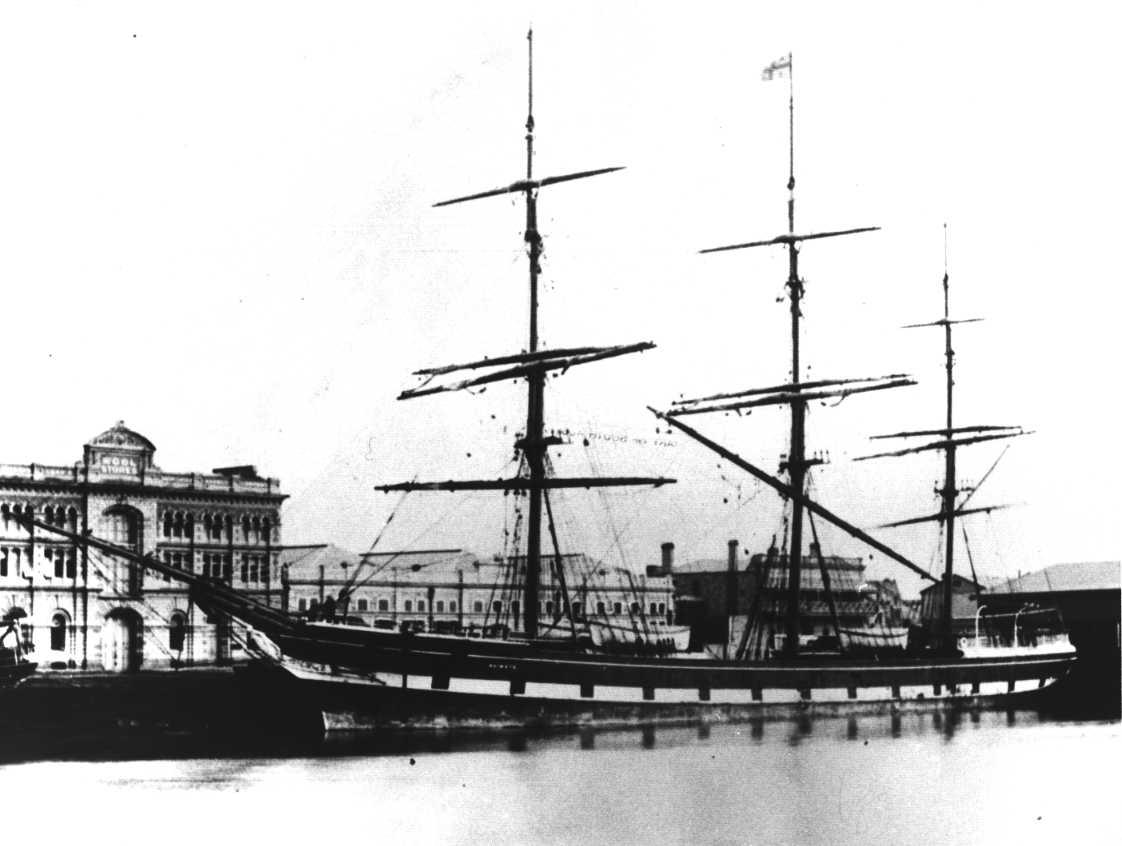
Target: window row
(440,606)
(255,528)
(61,562)
(254,569)
(10,511)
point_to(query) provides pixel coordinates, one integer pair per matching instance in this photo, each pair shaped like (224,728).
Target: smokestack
(730,593)
(731,579)
(667,558)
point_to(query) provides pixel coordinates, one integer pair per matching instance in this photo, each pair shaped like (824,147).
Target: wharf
(61,714)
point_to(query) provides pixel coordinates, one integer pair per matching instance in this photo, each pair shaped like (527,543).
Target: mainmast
(533,365)
(796,464)
(796,461)
(533,445)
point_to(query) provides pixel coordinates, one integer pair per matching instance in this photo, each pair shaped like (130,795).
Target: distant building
(82,609)
(1087,595)
(447,589)
(964,604)
(755,594)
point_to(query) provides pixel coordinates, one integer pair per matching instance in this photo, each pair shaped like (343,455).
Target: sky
(218,226)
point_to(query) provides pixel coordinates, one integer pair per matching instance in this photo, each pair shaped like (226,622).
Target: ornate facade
(81,609)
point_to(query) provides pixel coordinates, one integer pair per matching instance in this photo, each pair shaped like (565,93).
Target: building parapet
(79,472)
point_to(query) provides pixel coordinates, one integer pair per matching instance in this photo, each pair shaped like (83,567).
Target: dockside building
(450,589)
(80,609)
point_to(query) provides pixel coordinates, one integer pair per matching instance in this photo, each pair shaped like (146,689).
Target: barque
(360,678)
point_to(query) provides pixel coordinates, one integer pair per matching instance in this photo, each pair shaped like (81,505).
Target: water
(994,777)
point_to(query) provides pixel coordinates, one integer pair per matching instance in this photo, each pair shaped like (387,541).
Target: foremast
(796,393)
(533,365)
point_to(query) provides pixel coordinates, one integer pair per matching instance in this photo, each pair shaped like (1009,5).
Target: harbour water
(988,777)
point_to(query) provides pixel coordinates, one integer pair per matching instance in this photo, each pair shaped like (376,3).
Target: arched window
(408,605)
(634,607)
(72,519)
(168,523)
(452,606)
(49,514)
(177,631)
(600,608)
(576,610)
(440,606)
(617,608)
(59,623)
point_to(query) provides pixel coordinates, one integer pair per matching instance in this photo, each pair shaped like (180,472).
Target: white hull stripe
(613,694)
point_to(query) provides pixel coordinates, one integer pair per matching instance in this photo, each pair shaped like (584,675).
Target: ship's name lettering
(615,438)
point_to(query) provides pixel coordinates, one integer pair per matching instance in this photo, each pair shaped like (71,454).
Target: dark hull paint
(345,706)
(373,680)
(13,674)
(444,658)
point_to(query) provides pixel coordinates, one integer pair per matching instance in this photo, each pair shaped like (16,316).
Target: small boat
(14,664)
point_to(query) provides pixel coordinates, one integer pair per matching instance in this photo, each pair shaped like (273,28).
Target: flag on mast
(777,68)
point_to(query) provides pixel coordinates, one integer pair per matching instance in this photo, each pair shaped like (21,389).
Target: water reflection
(846,779)
(130,744)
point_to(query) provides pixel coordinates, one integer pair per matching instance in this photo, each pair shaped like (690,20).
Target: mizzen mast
(949,442)
(533,365)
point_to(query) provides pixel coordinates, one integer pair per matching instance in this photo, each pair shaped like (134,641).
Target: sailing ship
(359,677)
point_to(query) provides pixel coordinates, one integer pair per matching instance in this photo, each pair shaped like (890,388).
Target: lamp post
(977,617)
(1015,616)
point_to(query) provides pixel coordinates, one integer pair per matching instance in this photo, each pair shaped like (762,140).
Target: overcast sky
(217,225)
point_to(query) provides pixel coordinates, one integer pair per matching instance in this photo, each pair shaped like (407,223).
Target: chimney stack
(667,558)
(731,581)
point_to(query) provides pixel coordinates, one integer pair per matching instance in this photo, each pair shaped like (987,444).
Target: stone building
(449,589)
(82,609)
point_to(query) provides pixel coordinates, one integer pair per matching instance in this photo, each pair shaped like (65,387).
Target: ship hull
(366,680)
(12,675)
